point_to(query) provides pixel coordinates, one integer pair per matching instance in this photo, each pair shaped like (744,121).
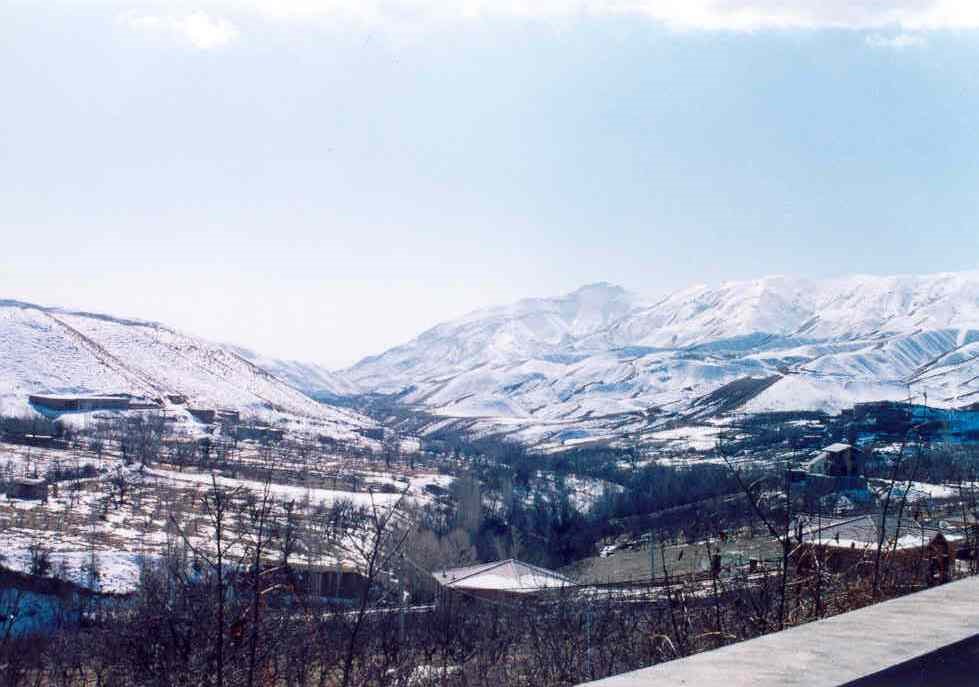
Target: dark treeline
(935,463)
(529,511)
(169,634)
(12,426)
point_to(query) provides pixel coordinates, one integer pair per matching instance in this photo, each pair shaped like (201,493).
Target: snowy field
(126,515)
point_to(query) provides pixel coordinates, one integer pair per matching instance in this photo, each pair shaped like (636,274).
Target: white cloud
(716,15)
(896,42)
(739,15)
(199,29)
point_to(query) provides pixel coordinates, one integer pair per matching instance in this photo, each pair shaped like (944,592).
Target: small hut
(27,489)
(837,460)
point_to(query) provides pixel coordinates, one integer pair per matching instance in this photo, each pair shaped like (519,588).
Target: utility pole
(652,557)
(588,639)
(401,613)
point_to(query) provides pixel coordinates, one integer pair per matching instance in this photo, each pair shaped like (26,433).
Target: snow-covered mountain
(529,329)
(595,364)
(601,361)
(51,350)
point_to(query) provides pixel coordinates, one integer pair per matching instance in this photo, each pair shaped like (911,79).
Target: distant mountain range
(594,365)
(52,350)
(601,362)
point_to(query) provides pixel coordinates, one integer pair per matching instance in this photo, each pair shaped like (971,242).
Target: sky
(323,179)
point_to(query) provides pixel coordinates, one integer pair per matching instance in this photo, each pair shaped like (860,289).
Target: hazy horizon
(648,296)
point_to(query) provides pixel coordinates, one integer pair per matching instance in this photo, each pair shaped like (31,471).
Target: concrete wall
(928,638)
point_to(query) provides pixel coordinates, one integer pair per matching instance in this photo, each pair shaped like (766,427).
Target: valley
(634,450)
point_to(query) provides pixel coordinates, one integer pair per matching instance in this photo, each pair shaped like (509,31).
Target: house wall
(333,584)
(202,414)
(501,595)
(54,403)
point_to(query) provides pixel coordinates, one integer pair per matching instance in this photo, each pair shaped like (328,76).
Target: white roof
(509,575)
(837,448)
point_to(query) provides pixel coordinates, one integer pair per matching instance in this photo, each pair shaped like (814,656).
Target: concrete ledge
(928,638)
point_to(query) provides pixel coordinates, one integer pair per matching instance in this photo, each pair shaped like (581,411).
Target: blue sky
(322,180)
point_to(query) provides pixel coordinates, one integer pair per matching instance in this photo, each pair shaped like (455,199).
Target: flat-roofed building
(205,415)
(27,489)
(228,416)
(57,404)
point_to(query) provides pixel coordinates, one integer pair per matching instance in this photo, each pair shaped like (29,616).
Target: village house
(55,405)
(259,433)
(205,415)
(227,416)
(334,582)
(851,543)
(835,472)
(509,579)
(145,404)
(27,489)
(837,460)
(376,433)
(37,440)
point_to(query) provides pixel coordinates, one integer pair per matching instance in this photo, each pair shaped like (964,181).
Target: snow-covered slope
(600,361)
(310,378)
(530,329)
(49,350)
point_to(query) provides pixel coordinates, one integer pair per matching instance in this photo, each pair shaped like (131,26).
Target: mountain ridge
(827,343)
(593,364)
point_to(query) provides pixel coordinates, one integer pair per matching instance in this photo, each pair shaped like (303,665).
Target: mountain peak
(599,287)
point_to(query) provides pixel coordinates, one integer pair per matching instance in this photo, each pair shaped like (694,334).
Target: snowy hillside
(600,361)
(48,350)
(310,378)
(530,329)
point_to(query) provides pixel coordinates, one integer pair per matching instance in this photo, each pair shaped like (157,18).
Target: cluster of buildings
(506,580)
(905,531)
(53,406)
(896,420)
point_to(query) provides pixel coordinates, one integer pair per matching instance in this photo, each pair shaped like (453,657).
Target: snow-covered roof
(864,531)
(837,448)
(509,576)
(815,461)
